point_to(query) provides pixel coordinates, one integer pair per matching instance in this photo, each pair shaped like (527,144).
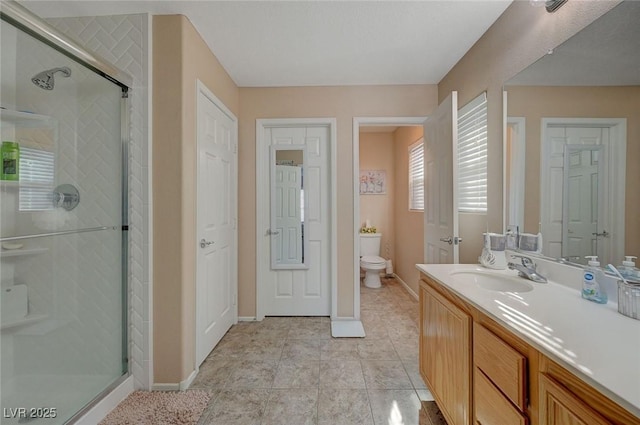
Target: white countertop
(594,341)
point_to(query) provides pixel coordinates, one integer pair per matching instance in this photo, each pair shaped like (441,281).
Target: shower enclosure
(63,225)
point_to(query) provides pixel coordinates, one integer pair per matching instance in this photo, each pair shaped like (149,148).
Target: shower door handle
(205,243)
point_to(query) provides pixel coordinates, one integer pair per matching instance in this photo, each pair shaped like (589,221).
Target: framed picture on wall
(373,182)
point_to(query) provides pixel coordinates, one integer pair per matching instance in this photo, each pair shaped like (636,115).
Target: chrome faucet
(527,269)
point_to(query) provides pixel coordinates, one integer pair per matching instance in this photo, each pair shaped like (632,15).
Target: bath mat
(158,407)
(430,414)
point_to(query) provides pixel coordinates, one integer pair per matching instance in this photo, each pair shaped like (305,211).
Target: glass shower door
(63,284)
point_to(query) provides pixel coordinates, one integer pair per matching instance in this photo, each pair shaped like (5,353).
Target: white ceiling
(317,43)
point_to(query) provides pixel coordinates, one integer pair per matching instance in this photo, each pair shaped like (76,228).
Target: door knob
(205,243)
(448,240)
(273,232)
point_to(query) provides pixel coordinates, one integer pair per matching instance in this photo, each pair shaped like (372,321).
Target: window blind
(416,176)
(472,156)
(36,179)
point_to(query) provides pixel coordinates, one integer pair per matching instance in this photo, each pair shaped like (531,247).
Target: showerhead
(45,79)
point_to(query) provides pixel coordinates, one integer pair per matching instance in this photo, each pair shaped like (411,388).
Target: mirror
(572,143)
(288,244)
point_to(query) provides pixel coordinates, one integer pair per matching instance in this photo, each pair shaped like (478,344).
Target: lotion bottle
(629,270)
(591,289)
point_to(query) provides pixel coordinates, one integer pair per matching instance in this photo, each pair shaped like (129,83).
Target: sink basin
(493,281)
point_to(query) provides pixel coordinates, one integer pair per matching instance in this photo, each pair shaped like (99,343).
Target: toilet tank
(370,244)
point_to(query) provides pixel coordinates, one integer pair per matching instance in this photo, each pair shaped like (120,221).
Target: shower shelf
(27,320)
(24,119)
(6,253)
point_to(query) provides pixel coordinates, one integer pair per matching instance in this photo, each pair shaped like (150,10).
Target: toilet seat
(373,262)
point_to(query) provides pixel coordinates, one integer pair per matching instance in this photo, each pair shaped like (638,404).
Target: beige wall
(376,153)
(534,103)
(519,37)
(343,103)
(409,225)
(180,57)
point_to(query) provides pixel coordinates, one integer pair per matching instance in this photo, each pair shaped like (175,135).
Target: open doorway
(384,193)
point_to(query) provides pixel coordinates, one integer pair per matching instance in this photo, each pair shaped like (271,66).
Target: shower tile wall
(124,41)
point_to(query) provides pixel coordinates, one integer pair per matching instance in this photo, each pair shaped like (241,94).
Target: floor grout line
(394,321)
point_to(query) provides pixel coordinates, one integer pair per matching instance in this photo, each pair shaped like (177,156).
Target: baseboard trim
(246,318)
(107,404)
(407,287)
(347,329)
(184,385)
(165,387)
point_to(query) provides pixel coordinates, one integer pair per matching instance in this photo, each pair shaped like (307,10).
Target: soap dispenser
(591,280)
(629,270)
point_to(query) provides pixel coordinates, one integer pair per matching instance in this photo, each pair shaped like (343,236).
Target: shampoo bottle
(591,289)
(629,269)
(10,161)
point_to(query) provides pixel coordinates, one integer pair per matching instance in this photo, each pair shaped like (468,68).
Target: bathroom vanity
(498,349)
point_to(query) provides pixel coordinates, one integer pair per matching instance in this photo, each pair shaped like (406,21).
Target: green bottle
(10,161)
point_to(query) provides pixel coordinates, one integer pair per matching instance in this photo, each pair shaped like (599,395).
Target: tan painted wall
(180,57)
(376,153)
(409,225)
(519,37)
(343,103)
(534,103)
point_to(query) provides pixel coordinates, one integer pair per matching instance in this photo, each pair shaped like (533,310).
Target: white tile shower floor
(289,370)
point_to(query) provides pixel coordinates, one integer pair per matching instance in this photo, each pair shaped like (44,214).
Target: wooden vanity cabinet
(480,373)
(445,354)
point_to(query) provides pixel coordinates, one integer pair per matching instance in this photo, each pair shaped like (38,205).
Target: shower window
(36,179)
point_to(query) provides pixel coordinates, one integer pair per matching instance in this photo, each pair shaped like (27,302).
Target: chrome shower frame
(23,19)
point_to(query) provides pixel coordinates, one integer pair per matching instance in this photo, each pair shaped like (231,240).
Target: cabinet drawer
(492,408)
(503,365)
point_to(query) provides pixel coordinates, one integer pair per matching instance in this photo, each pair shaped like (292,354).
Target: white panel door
(554,199)
(216,258)
(583,169)
(300,292)
(441,198)
(286,243)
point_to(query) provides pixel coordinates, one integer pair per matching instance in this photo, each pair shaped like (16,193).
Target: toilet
(370,260)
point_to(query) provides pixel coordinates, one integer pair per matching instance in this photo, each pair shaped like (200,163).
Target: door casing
(263,220)
(357,123)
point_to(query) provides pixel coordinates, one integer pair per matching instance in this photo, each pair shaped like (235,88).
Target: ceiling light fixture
(550,5)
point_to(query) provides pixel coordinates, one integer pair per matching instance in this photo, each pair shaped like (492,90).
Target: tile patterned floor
(289,370)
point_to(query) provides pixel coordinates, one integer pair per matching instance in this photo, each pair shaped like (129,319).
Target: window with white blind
(472,156)
(416,176)
(36,179)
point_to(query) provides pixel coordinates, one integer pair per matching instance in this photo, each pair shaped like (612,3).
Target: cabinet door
(558,406)
(445,355)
